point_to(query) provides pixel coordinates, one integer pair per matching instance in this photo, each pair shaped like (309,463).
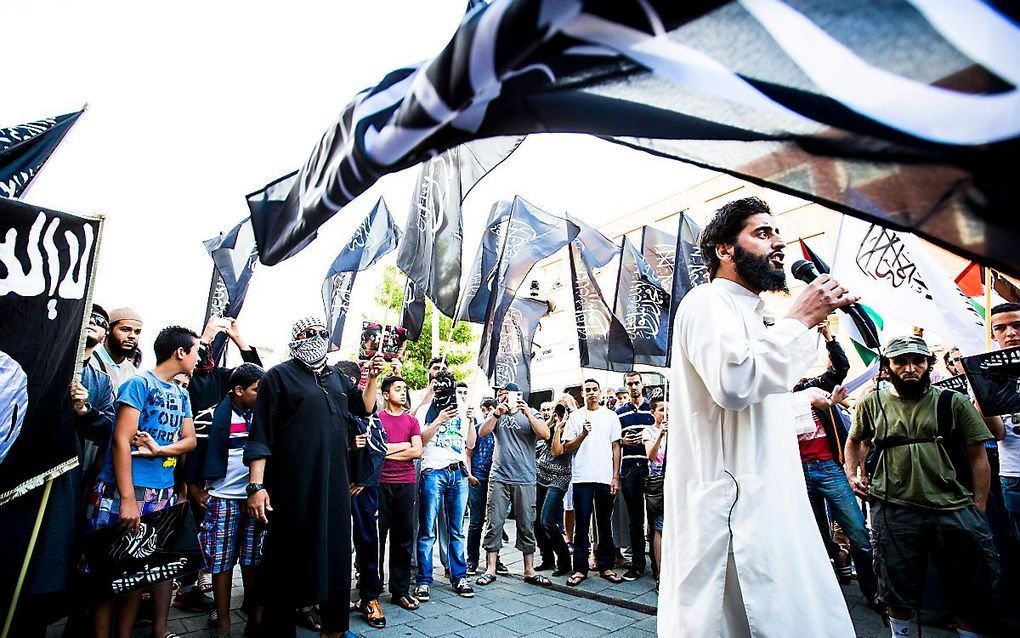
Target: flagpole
(988,309)
(28,557)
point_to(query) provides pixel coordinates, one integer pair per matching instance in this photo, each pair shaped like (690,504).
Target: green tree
(460,347)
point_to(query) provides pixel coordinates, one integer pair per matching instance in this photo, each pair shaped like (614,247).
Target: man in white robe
(741,554)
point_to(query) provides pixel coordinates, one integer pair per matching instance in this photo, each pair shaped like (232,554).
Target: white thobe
(734,487)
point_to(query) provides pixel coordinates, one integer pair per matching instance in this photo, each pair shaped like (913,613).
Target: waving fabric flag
(642,303)
(689,269)
(596,249)
(782,95)
(865,328)
(971,281)
(374,237)
(516,336)
(530,236)
(25,148)
(234,255)
(474,301)
(46,268)
(900,279)
(412,312)
(602,340)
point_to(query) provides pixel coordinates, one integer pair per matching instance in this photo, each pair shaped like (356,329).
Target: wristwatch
(252,488)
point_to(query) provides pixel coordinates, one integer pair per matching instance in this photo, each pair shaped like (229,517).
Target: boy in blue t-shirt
(153,428)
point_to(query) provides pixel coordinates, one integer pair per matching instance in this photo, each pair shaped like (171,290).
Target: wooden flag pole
(988,309)
(28,557)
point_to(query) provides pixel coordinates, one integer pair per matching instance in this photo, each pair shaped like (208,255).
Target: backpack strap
(952,442)
(944,414)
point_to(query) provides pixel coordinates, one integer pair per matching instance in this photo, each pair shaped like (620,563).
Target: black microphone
(805,271)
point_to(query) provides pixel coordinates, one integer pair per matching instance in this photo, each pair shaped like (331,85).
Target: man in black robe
(297,453)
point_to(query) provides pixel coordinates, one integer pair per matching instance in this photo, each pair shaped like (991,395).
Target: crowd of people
(312,475)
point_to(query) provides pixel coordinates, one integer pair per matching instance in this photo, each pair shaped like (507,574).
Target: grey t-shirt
(513,460)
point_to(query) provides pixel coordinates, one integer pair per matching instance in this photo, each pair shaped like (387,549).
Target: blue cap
(511,387)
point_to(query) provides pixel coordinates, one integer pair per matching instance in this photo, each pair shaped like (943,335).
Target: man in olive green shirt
(921,508)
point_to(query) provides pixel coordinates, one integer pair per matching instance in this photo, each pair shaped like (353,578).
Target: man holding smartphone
(512,480)
(635,417)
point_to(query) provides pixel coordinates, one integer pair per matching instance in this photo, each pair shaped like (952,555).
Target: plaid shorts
(228,534)
(103,508)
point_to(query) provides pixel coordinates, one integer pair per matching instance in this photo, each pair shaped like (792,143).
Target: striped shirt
(633,422)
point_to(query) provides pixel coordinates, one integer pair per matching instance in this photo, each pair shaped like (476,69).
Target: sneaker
(194,600)
(472,569)
(204,583)
(501,569)
(632,574)
(374,615)
(463,589)
(423,593)
(214,618)
(545,566)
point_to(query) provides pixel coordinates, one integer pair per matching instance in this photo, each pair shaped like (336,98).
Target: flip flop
(485,579)
(538,579)
(611,576)
(406,602)
(576,580)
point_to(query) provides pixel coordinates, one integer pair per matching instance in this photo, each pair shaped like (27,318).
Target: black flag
(474,300)
(689,269)
(25,148)
(602,340)
(46,263)
(785,95)
(233,256)
(642,303)
(530,236)
(516,336)
(412,312)
(376,236)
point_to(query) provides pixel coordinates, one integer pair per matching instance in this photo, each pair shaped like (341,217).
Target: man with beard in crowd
(740,532)
(297,454)
(115,356)
(928,488)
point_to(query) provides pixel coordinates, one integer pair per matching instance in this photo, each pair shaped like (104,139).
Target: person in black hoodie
(821,453)
(218,473)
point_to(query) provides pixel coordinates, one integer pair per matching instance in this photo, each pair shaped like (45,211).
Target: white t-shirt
(236,479)
(593,461)
(447,446)
(1009,448)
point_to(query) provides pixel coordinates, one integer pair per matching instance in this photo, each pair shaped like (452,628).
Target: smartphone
(512,397)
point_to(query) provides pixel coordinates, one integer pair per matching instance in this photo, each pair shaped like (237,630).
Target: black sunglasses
(100,321)
(308,334)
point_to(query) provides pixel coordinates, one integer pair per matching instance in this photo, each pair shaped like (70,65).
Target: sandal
(485,579)
(576,579)
(406,602)
(538,579)
(611,576)
(308,619)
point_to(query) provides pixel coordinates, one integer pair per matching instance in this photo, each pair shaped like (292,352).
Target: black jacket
(209,460)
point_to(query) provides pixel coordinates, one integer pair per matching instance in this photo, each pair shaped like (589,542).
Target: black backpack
(951,442)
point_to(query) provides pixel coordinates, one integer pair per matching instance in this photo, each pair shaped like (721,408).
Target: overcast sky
(192,105)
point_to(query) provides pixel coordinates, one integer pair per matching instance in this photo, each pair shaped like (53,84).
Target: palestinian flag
(971,281)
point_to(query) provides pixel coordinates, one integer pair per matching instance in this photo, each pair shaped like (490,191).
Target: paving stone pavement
(511,608)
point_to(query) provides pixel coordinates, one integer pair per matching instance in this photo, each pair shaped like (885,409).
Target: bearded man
(741,553)
(928,487)
(297,455)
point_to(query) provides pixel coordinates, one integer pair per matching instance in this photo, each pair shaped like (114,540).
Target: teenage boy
(592,436)
(398,490)
(217,478)
(444,487)
(152,430)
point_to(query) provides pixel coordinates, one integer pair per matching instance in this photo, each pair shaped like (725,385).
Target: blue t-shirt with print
(162,408)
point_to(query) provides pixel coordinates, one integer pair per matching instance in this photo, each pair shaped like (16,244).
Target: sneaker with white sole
(463,589)
(422,593)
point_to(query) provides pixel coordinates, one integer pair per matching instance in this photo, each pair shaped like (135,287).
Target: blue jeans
(1011,499)
(365,516)
(446,489)
(476,520)
(551,521)
(826,481)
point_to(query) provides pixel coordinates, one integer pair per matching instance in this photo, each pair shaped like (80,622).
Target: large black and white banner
(516,336)
(642,303)
(374,237)
(602,340)
(689,269)
(234,255)
(995,381)
(46,266)
(530,236)
(474,300)
(783,94)
(26,147)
